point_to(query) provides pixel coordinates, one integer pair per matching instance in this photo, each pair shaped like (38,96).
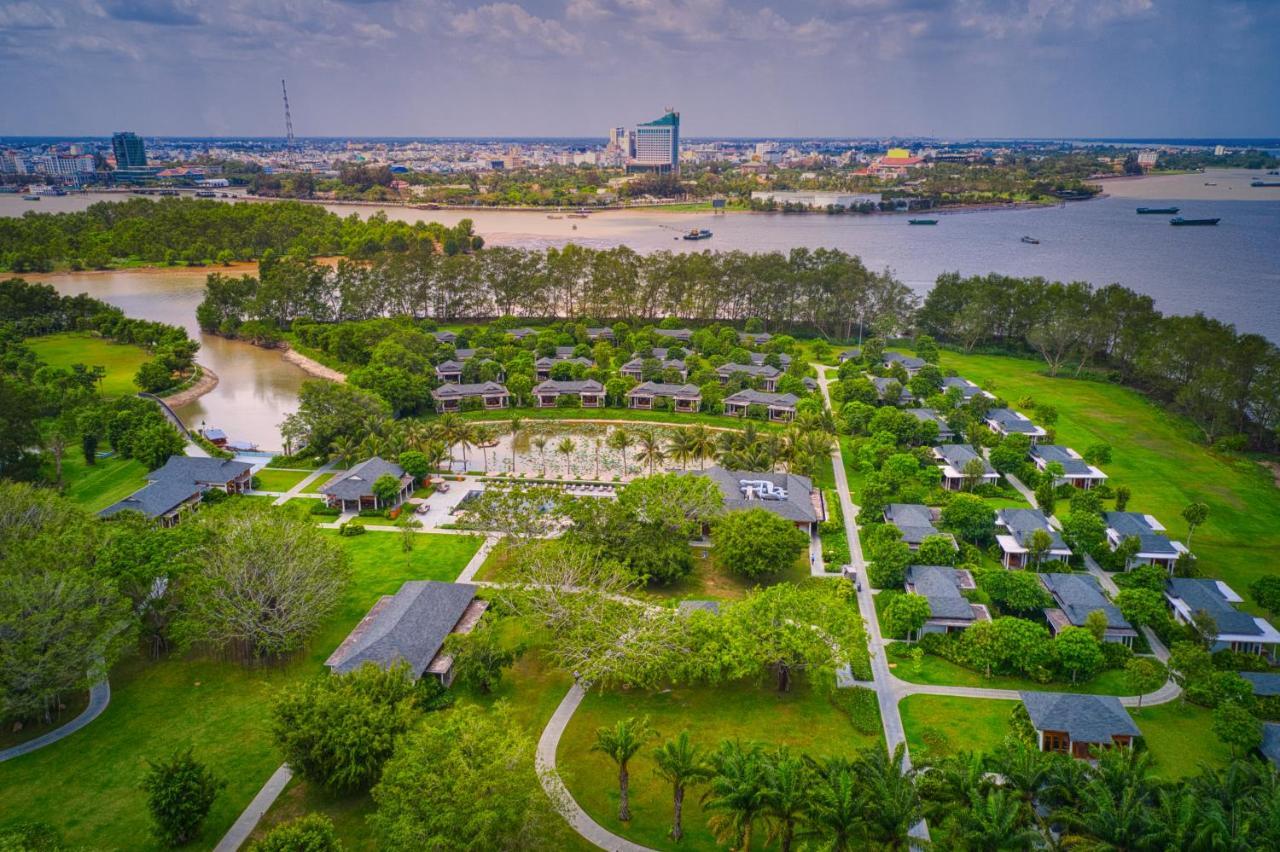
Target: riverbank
(207,381)
(311,366)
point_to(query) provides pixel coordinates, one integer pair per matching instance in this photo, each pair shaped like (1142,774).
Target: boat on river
(698,234)
(1265,183)
(30,198)
(577,215)
(1168,211)
(1178,220)
(1031,241)
(922,221)
(554,216)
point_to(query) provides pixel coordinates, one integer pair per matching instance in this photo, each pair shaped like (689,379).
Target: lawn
(967,724)
(939,672)
(803,719)
(280,480)
(95,487)
(1179,738)
(121,360)
(86,785)
(1160,457)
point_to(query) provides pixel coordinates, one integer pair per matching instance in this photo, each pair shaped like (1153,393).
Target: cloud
(508,25)
(30,16)
(166,13)
(92,44)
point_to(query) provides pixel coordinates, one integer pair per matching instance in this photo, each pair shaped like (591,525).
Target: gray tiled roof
(748,396)
(968,388)
(1073,465)
(661,389)
(638,364)
(358,481)
(1078,595)
(765,370)
(444,336)
(1203,594)
(548,363)
(940,585)
(1263,683)
(1021,523)
(929,415)
(465,354)
(755,336)
(411,626)
(156,499)
(1135,525)
(677,333)
(1270,747)
(576,387)
(759,358)
(1011,421)
(522,332)
(797,506)
(914,520)
(882,386)
(1084,718)
(463,391)
(448,367)
(958,455)
(207,470)
(909,361)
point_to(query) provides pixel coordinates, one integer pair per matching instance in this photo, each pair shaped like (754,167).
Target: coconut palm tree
(735,795)
(515,427)
(703,444)
(447,429)
(996,820)
(650,449)
(485,437)
(776,449)
(835,815)
(435,453)
(680,763)
(539,443)
(343,450)
(566,448)
(372,445)
(620,743)
(680,447)
(787,797)
(620,440)
(464,435)
(417,434)
(890,798)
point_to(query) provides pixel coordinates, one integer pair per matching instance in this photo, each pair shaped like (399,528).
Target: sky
(786,68)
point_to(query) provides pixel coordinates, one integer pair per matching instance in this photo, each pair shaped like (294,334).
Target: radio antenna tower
(288,125)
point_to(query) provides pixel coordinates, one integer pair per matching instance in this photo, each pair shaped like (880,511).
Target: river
(1231,272)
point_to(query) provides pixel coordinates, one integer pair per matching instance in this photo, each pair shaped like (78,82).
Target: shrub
(310,833)
(319,507)
(860,706)
(180,791)
(1115,655)
(350,530)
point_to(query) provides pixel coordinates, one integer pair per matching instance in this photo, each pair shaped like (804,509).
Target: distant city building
(129,151)
(1148,159)
(816,199)
(657,146)
(621,141)
(1220,150)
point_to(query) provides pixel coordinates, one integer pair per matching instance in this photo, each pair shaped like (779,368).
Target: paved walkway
(248,819)
(99,698)
(469,572)
(559,793)
(301,486)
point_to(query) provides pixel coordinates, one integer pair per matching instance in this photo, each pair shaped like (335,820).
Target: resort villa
(1014,531)
(1237,631)
(787,495)
(683,335)
(452,397)
(589,393)
(634,369)
(766,375)
(1078,595)
(884,385)
(1076,471)
(943,587)
(909,363)
(1074,724)
(352,490)
(929,415)
(778,406)
(954,458)
(1154,547)
(411,626)
(968,390)
(683,397)
(178,486)
(915,522)
(1005,421)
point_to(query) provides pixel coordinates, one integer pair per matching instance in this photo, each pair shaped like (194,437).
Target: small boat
(1147,211)
(698,234)
(1031,241)
(922,221)
(554,216)
(576,216)
(1265,183)
(1178,220)
(241,446)
(30,198)
(1206,183)
(202,193)
(1273,172)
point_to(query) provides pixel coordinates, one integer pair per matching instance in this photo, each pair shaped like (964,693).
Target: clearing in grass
(121,360)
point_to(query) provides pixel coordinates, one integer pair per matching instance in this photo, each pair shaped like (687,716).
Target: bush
(1236,661)
(1115,655)
(310,833)
(860,706)
(319,507)
(350,530)
(180,791)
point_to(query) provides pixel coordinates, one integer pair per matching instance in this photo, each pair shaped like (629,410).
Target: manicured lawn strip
(970,724)
(1159,456)
(317,483)
(803,719)
(86,785)
(939,672)
(121,360)
(710,580)
(95,487)
(1180,739)
(279,480)
(287,463)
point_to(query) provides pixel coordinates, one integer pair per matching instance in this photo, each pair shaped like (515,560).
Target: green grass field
(939,672)
(121,360)
(969,724)
(710,580)
(86,785)
(95,487)
(280,480)
(1180,740)
(802,719)
(1160,457)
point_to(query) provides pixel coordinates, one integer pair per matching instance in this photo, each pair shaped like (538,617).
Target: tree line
(199,231)
(1226,382)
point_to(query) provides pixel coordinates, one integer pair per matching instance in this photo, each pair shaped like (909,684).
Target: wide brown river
(1231,272)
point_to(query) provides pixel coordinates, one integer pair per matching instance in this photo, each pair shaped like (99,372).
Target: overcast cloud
(574,67)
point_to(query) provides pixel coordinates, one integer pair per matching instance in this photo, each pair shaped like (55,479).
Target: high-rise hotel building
(657,146)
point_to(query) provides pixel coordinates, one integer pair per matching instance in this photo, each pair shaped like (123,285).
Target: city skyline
(548,68)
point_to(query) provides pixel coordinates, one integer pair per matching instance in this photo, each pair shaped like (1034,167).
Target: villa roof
(551,362)
(941,586)
(959,455)
(1145,528)
(1072,463)
(1084,718)
(569,387)
(1263,683)
(1077,595)
(1218,600)
(444,336)
(968,388)
(800,503)
(199,469)
(676,333)
(410,625)
(913,519)
(1011,421)
(661,389)
(1021,523)
(759,358)
(755,336)
(766,370)
(638,363)
(908,361)
(882,386)
(522,332)
(929,415)
(448,367)
(358,481)
(1270,746)
(464,391)
(177,481)
(747,396)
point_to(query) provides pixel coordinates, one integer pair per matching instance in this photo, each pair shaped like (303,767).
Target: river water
(1231,272)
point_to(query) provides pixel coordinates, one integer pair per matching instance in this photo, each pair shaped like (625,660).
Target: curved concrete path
(99,698)
(545,760)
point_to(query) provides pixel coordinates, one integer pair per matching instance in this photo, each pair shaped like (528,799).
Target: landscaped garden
(936,671)
(97,486)
(938,725)
(121,360)
(271,479)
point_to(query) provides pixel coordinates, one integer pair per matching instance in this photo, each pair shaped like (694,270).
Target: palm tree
(788,788)
(680,447)
(835,815)
(735,796)
(372,445)
(890,798)
(448,427)
(620,743)
(650,449)
(566,448)
(702,443)
(997,820)
(465,436)
(775,447)
(1114,806)
(343,450)
(539,443)
(417,434)
(514,428)
(680,763)
(620,439)
(485,436)
(435,453)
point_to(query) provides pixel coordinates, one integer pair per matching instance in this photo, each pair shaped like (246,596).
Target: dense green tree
(1237,727)
(1078,652)
(480,656)
(180,791)
(906,614)
(307,833)
(756,542)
